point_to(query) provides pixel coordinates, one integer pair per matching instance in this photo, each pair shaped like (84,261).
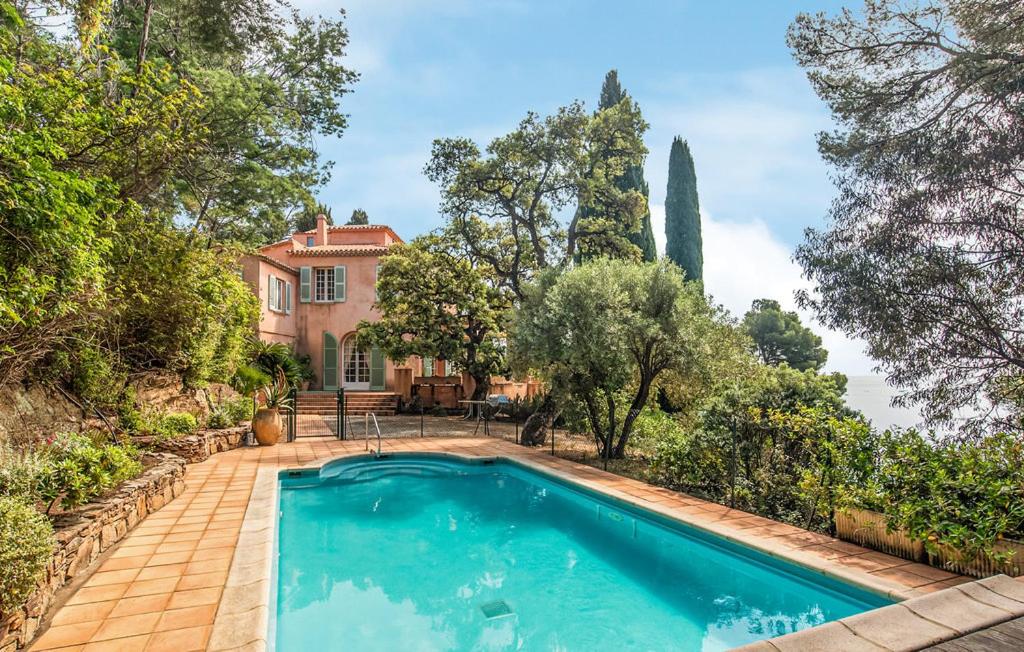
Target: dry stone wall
(90,530)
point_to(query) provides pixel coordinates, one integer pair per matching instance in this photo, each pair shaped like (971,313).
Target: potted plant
(266,423)
(248,381)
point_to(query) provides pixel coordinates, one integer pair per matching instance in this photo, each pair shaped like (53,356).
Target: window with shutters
(323,289)
(279,296)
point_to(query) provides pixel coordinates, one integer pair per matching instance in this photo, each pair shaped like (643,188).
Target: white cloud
(744,261)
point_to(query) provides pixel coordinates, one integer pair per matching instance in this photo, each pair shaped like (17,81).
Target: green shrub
(26,544)
(20,472)
(239,408)
(79,468)
(966,495)
(176,424)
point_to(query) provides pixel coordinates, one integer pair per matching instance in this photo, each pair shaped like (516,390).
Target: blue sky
(717,73)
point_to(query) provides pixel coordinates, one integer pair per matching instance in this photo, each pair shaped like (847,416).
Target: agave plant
(277,394)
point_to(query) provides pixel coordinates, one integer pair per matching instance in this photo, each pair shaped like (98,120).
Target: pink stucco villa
(314,288)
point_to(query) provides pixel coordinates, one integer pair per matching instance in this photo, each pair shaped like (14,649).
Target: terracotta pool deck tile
(123,563)
(88,594)
(202,581)
(208,554)
(195,597)
(83,613)
(904,577)
(128,644)
(140,605)
(187,618)
(129,549)
(152,587)
(191,639)
(161,572)
(167,558)
(208,566)
(183,536)
(176,546)
(65,635)
(105,578)
(217,540)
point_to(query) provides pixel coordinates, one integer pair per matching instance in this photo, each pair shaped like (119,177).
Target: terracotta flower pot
(267,426)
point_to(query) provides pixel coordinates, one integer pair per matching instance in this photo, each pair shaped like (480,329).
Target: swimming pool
(418,552)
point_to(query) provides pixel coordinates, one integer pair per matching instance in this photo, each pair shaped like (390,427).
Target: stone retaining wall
(200,446)
(90,530)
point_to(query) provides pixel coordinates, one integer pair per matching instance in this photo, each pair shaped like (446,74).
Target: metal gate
(317,414)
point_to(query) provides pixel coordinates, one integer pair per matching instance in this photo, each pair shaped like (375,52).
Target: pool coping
(243,617)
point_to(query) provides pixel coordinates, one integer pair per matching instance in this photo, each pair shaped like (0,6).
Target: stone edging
(82,535)
(911,625)
(243,617)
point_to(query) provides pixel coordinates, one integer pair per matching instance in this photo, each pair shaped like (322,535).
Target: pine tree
(633,179)
(682,212)
(359,216)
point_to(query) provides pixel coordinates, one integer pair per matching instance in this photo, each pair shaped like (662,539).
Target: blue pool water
(417,553)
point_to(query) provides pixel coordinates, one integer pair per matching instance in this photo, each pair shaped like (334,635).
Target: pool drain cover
(496,609)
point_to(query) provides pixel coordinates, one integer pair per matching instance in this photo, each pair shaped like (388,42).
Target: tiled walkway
(161,587)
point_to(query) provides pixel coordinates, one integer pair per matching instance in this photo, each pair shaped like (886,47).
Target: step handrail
(366,432)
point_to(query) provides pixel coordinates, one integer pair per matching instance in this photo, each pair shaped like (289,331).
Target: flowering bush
(69,469)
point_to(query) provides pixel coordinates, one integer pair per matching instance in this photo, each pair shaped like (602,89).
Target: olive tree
(611,326)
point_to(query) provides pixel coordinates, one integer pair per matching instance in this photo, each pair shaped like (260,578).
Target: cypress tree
(682,212)
(633,179)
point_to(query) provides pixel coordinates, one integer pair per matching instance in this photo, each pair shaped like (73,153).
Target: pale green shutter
(376,369)
(288,298)
(339,282)
(272,300)
(428,365)
(305,284)
(330,362)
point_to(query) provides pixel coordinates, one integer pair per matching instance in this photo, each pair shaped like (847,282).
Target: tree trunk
(639,401)
(481,388)
(535,430)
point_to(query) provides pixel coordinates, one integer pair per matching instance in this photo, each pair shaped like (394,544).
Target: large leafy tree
(924,253)
(271,80)
(508,204)
(633,179)
(684,245)
(434,301)
(779,337)
(613,326)
(95,283)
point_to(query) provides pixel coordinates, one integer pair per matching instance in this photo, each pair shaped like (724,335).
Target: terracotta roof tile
(340,250)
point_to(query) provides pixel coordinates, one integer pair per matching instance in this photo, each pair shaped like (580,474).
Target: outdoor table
(478,407)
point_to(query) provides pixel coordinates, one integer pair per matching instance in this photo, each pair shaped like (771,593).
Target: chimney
(321,229)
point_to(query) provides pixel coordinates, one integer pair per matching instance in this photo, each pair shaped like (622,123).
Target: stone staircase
(383,404)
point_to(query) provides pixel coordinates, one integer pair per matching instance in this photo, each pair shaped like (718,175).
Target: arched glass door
(355,365)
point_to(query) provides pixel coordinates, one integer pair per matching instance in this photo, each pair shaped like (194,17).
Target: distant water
(873,396)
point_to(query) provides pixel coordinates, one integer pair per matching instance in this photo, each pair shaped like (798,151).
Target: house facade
(314,288)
